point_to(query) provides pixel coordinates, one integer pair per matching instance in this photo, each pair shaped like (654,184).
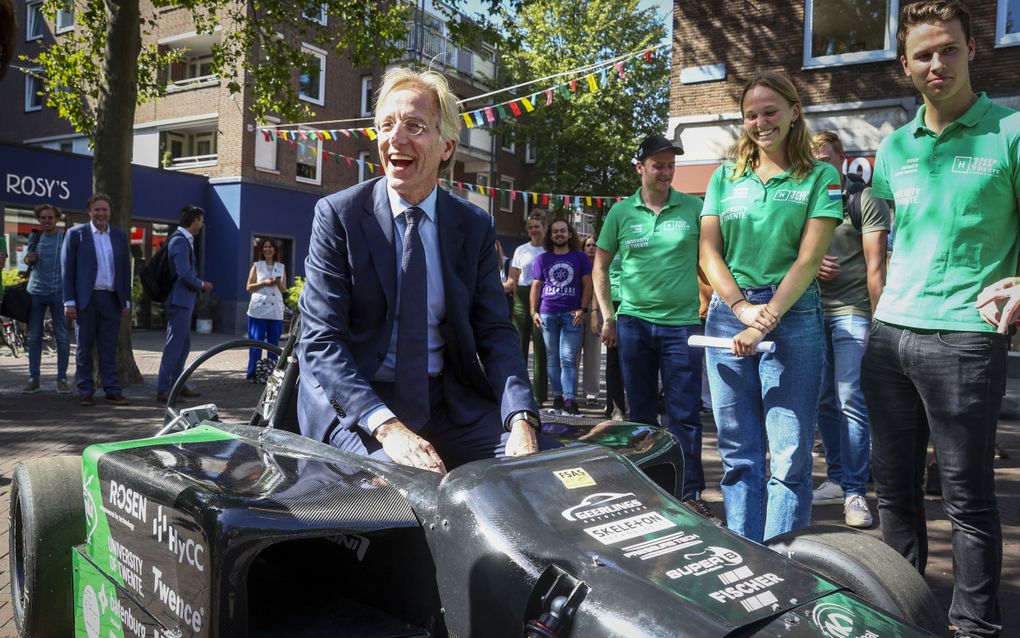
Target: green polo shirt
(658,258)
(762,223)
(956,216)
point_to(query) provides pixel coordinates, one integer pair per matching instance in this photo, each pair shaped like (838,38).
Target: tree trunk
(114,138)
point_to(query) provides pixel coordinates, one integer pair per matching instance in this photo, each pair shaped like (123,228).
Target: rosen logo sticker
(574,478)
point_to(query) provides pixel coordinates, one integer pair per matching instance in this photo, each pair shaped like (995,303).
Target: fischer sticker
(712,559)
(602,505)
(574,478)
(751,586)
(662,545)
(628,528)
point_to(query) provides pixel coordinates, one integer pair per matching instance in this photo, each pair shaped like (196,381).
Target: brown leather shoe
(117,399)
(188,393)
(86,400)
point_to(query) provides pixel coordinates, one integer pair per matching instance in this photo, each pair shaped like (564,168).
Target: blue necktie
(411,375)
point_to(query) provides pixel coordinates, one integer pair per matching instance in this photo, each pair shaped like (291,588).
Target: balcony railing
(193,161)
(193,83)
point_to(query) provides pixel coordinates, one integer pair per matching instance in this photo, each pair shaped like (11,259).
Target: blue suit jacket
(80,266)
(348,307)
(187,285)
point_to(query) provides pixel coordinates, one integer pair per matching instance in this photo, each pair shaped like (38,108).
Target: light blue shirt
(45,278)
(104,258)
(436,311)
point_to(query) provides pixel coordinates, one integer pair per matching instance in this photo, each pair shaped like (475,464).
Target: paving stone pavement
(46,424)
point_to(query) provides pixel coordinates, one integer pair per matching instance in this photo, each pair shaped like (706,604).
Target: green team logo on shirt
(675,225)
(976,165)
(910,166)
(797,196)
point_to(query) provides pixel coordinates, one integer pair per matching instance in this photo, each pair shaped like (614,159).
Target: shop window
(849,31)
(309,162)
(1007,26)
(312,83)
(35,25)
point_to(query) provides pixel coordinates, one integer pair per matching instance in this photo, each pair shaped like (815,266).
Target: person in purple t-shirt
(561,292)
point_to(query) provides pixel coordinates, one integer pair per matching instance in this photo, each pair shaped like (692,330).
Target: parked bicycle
(13,336)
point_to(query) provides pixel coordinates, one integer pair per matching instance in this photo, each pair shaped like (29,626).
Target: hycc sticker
(602,505)
(574,478)
(628,528)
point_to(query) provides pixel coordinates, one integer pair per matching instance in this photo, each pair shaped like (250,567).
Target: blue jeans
(842,414)
(562,342)
(648,350)
(55,302)
(267,330)
(948,384)
(767,399)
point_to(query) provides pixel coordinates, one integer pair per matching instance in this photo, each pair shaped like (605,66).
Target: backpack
(852,199)
(158,276)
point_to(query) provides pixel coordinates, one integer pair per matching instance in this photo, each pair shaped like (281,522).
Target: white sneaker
(828,493)
(856,512)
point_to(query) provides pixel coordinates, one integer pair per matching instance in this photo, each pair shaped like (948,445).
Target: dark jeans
(614,379)
(648,350)
(956,380)
(530,333)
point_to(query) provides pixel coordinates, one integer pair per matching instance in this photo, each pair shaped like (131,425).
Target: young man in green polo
(954,174)
(655,231)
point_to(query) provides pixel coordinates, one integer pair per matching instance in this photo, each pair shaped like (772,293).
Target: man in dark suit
(407,352)
(180,303)
(97,292)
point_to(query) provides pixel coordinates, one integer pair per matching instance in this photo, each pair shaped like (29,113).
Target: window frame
(859,57)
(322,18)
(509,148)
(30,81)
(317,180)
(65,11)
(363,174)
(367,86)
(506,184)
(1003,39)
(261,143)
(34,9)
(530,153)
(321,55)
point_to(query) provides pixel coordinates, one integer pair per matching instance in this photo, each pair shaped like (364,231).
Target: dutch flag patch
(835,193)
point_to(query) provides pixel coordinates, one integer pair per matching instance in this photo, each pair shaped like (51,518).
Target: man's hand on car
(523,440)
(407,448)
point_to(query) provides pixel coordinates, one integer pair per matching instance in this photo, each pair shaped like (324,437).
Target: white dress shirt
(104,258)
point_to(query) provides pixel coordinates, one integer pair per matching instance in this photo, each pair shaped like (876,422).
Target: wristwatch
(523,415)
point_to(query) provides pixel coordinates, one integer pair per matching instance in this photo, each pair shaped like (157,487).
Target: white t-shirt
(524,257)
(267,302)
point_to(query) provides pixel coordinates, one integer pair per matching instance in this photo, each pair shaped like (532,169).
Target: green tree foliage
(585,145)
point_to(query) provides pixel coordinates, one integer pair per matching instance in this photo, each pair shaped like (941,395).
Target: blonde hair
(399,78)
(827,137)
(798,145)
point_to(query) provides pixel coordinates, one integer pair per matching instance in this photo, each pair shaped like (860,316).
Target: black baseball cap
(656,144)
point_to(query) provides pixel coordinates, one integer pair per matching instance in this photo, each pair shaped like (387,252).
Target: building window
(309,162)
(35,25)
(316,14)
(363,172)
(482,179)
(65,18)
(265,150)
(507,144)
(849,31)
(188,149)
(366,95)
(530,153)
(1007,27)
(312,85)
(33,91)
(506,185)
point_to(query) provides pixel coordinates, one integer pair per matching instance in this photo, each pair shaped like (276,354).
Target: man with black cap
(655,230)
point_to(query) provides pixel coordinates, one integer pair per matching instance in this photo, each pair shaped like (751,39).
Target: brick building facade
(841,55)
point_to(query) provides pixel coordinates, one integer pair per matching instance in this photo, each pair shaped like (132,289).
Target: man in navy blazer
(97,292)
(407,352)
(180,303)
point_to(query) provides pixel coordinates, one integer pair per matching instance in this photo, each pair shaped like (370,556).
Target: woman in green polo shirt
(765,226)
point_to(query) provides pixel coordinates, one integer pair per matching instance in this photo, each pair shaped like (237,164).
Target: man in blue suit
(180,303)
(97,293)
(407,352)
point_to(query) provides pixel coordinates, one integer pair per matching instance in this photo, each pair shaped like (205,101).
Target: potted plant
(205,311)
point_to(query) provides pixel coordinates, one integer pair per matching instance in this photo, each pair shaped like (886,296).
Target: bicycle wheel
(9,339)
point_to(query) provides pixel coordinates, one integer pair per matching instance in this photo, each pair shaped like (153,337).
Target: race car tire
(866,566)
(47,517)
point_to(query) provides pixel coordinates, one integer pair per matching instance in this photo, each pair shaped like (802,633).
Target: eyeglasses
(412,127)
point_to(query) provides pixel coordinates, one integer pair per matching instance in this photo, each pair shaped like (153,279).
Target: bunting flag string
(594,78)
